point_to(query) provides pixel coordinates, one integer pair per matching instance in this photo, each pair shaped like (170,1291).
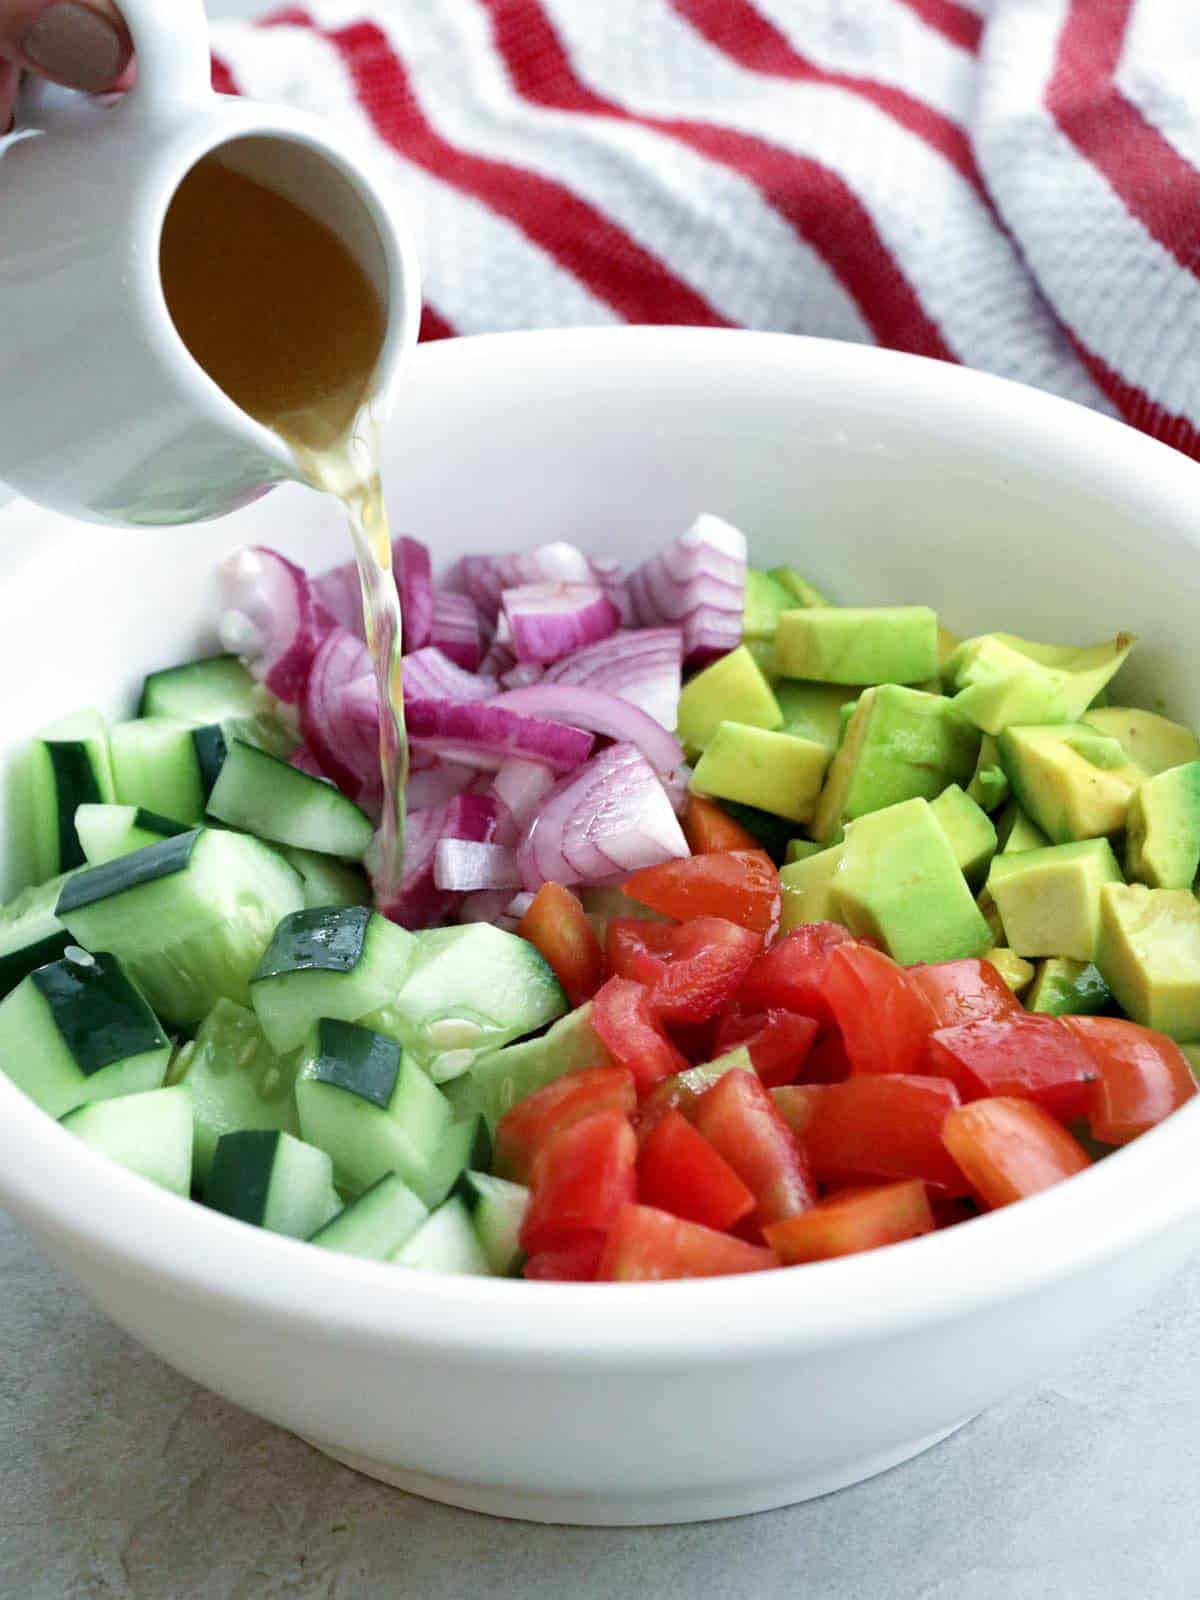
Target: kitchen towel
(1010,184)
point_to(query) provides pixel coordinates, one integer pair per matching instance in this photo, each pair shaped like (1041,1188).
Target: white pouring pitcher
(104,414)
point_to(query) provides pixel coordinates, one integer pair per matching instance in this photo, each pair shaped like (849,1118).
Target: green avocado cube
(1049,900)
(765,601)
(900,744)
(1149,953)
(999,679)
(1066,988)
(970,830)
(1073,782)
(1014,969)
(774,771)
(899,882)
(800,850)
(858,645)
(732,689)
(1016,833)
(990,914)
(989,785)
(1151,742)
(1162,839)
(814,710)
(1191,1049)
(808,889)
(801,591)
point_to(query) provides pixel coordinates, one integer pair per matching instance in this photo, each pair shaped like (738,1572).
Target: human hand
(83,44)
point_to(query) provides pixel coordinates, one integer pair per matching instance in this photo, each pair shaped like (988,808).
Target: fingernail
(75,45)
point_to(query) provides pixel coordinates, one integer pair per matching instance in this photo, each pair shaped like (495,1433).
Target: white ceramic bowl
(885,479)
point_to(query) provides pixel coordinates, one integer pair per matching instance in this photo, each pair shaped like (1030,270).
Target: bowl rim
(77,1199)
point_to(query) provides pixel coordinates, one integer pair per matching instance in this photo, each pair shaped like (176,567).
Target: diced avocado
(1049,900)
(1149,953)
(732,689)
(495,1082)
(799,588)
(766,599)
(999,679)
(899,882)
(1162,840)
(1015,970)
(775,771)
(762,653)
(1191,1049)
(1068,988)
(814,710)
(860,644)
(969,829)
(1152,742)
(801,849)
(808,889)
(900,744)
(1016,833)
(989,784)
(991,915)
(947,644)
(1073,782)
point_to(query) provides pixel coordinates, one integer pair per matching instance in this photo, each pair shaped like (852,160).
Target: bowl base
(639,1510)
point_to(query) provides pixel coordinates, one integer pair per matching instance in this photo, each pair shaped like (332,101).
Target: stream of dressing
(282,317)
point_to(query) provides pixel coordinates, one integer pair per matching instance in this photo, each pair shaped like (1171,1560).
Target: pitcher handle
(170,39)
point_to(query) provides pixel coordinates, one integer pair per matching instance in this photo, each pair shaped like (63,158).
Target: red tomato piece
(580,1180)
(695,1040)
(706,828)
(949,1210)
(692,969)
(884,1020)
(827,1061)
(740,1120)
(573,1263)
(790,975)
(1008,1149)
(740,885)
(856,1220)
(963,991)
(778,1041)
(556,926)
(874,1127)
(523,1130)
(1029,1057)
(648,1245)
(628,1025)
(680,1172)
(1144,1076)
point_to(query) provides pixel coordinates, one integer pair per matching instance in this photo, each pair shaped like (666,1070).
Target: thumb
(83,44)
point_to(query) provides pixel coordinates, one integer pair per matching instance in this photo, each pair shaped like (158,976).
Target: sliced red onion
(612,815)
(499,659)
(485,905)
(521,786)
(431,675)
(522,675)
(344,742)
(485,578)
(338,591)
(487,735)
(642,665)
(610,575)
(419,903)
(602,713)
(466,865)
(454,629)
(697,581)
(269,618)
(546,621)
(519,905)
(436,783)
(303,760)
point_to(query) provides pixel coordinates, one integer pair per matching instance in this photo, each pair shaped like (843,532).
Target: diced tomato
(680,1172)
(573,1263)
(529,1124)
(884,1020)
(556,926)
(706,827)
(645,1245)
(874,1127)
(629,1027)
(790,975)
(692,969)
(580,1180)
(856,1220)
(949,1210)
(963,991)
(739,885)
(696,1040)
(740,1120)
(1030,1057)
(1008,1149)
(681,1092)
(1144,1076)
(778,1041)
(827,1061)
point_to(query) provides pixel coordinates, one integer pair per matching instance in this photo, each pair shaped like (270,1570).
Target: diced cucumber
(30,933)
(272,1180)
(166,766)
(234,1080)
(497,1209)
(371,1108)
(469,990)
(106,832)
(330,961)
(200,691)
(190,916)
(68,765)
(149,1133)
(465,1145)
(267,797)
(79,1030)
(376,1224)
(498,1080)
(328,881)
(445,1242)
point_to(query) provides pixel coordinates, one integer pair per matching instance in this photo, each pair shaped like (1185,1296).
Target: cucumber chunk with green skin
(106,832)
(328,881)
(328,961)
(160,764)
(79,1030)
(371,1108)
(273,1181)
(190,916)
(267,797)
(376,1224)
(200,691)
(150,1134)
(497,1209)
(69,764)
(445,1242)
(466,1144)
(30,933)
(497,1081)
(234,1080)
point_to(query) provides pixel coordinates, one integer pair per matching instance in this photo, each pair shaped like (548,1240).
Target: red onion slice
(419,903)
(270,619)
(641,665)
(485,578)
(485,905)
(546,621)
(487,735)
(303,760)
(338,591)
(521,786)
(466,865)
(454,629)
(600,713)
(431,675)
(437,783)
(697,581)
(522,675)
(344,741)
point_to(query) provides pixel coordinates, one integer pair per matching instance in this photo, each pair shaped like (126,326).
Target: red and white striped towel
(1013,185)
